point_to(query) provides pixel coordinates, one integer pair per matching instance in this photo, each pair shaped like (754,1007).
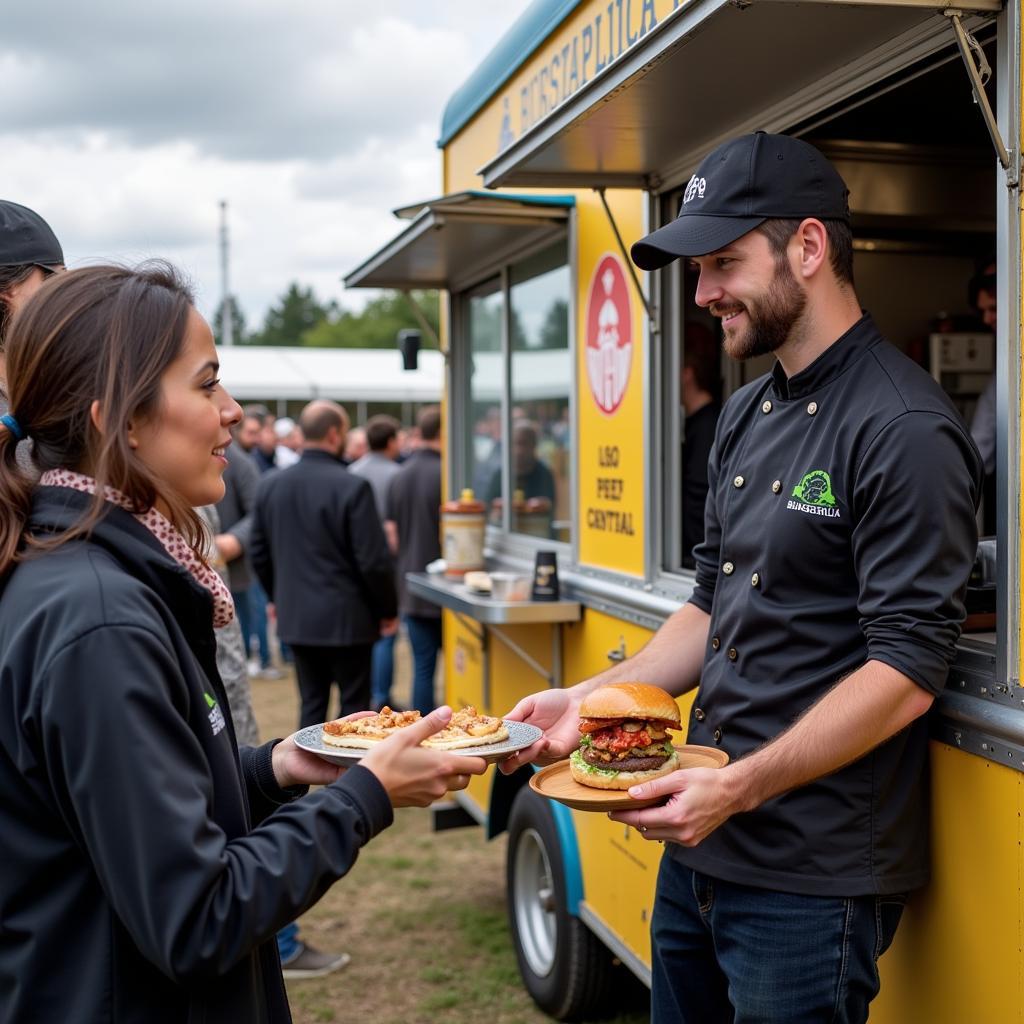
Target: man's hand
(388,627)
(228,546)
(699,800)
(556,713)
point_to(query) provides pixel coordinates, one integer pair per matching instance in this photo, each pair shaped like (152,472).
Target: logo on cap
(694,189)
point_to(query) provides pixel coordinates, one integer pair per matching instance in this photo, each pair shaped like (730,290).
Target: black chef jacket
(840,527)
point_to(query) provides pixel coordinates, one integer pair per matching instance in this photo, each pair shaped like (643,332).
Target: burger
(624,736)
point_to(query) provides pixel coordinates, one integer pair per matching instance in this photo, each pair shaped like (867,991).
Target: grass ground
(421,913)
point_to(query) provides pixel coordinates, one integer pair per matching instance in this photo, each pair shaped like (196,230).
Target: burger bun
(630,700)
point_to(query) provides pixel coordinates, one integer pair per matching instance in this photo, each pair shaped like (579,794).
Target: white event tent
(347,375)
(358,376)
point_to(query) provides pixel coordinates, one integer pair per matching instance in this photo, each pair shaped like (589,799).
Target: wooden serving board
(556,782)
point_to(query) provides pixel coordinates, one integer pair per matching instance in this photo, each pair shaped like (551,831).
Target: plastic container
(510,586)
(462,535)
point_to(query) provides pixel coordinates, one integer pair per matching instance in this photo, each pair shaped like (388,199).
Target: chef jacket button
(733,653)
(766,407)
(812,408)
(776,486)
(738,482)
(718,735)
(698,714)
(716,642)
(727,568)
(755,579)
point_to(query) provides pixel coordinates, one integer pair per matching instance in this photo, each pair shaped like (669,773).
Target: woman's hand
(416,776)
(296,767)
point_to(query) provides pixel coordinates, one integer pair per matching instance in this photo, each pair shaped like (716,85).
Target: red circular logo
(609,334)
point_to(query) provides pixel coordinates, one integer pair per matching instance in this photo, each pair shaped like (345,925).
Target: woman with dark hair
(147,862)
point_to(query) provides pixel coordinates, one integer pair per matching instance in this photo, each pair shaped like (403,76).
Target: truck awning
(719,68)
(450,238)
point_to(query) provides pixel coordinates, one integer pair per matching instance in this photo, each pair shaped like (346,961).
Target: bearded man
(828,597)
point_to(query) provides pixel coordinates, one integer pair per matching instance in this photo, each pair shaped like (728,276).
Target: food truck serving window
(924,267)
(516,415)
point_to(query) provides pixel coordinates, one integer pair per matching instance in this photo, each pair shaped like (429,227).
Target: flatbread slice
(468,729)
(369,731)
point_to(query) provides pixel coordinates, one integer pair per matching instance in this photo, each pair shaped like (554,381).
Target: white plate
(520,735)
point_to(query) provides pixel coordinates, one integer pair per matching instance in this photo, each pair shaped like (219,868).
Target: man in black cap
(29,254)
(840,531)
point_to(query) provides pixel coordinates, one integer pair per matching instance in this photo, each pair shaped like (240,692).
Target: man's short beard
(771,318)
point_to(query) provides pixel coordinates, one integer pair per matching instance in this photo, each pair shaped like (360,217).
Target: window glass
(540,386)
(485,312)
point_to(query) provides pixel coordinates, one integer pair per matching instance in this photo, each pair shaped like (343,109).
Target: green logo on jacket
(815,489)
(216,716)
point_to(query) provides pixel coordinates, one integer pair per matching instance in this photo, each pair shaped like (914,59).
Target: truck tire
(565,968)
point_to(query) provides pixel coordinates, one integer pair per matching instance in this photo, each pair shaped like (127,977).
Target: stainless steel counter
(485,618)
(457,597)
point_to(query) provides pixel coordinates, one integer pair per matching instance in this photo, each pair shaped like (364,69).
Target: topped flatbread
(466,729)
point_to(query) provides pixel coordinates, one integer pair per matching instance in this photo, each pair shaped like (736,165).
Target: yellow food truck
(564,412)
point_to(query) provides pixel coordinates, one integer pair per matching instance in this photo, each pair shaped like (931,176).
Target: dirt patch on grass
(421,913)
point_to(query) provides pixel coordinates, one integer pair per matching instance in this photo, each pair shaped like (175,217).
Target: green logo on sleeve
(216,716)
(815,489)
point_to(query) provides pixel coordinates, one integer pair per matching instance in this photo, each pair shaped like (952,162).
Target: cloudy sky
(124,124)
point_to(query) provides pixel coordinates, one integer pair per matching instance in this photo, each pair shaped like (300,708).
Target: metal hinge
(617,654)
(979,73)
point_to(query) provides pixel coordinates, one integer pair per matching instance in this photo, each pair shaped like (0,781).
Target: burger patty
(626,764)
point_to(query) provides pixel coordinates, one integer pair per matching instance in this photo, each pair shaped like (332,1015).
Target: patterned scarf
(170,539)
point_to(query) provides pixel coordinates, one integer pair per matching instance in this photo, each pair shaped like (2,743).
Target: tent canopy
(342,374)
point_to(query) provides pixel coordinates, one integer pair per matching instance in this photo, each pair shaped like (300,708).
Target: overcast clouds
(125,124)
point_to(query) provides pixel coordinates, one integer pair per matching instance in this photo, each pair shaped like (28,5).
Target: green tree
(554,332)
(297,312)
(238,327)
(377,324)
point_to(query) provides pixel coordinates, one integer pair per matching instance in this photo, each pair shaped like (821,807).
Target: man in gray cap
(29,254)
(839,533)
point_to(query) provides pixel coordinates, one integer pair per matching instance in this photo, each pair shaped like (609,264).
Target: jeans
(425,640)
(724,953)
(382,672)
(258,622)
(288,941)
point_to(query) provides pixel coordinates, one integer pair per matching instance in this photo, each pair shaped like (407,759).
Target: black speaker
(409,346)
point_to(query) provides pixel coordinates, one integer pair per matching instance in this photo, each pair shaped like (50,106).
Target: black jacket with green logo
(840,528)
(145,863)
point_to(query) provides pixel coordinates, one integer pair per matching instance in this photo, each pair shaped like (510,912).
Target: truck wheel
(567,970)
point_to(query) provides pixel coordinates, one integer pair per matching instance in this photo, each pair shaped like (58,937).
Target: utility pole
(227,324)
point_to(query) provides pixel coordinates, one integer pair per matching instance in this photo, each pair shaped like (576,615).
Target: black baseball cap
(740,185)
(25,238)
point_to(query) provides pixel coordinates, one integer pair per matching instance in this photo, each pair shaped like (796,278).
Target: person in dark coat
(147,862)
(318,547)
(413,524)
(700,382)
